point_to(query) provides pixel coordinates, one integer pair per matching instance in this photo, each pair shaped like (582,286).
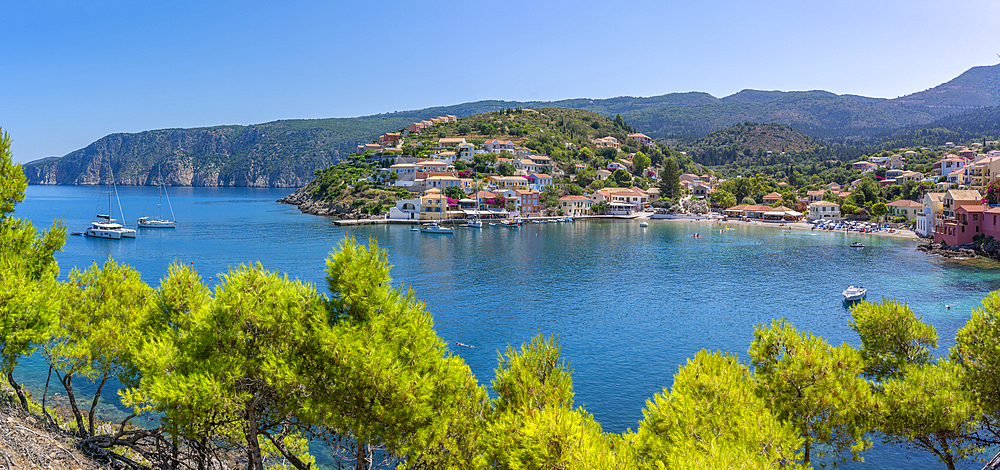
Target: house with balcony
(508,182)
(955,198)
(824,210)
(575,206)
(539,181)
(948,164)
(433,205)
(529,201)
(772,198)
(932,216)
(641,138)
(499,146)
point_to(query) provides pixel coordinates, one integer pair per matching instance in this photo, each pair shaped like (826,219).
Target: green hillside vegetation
(544,131)
(260,371)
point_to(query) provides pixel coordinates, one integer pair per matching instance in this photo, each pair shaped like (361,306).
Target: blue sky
(74,71)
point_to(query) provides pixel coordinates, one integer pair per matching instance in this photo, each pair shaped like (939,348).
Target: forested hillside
(286,153)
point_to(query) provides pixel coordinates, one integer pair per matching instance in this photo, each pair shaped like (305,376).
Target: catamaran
(159,222)
(105,226)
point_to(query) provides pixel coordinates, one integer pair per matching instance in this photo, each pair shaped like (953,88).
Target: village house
(529,202)
(405,172)
(948,164)
(641,138)
(984,170)
(815,196)
(955,198)
(466,152)
(905,208)
(448,142)
(824,210)
(772,198)
(700,190)
(362,148)
(498,146)
(606,142)
(406,209)
(508,182)
(433,205)
(575,206)
(603,174)
(432,166)
(389,139)
(539,181)
(863,166)
(442,182)
(932,216)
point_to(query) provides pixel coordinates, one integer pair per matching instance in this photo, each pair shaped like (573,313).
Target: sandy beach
(713,220)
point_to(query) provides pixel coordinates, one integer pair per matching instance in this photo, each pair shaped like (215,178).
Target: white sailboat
(159,222)
(105,226)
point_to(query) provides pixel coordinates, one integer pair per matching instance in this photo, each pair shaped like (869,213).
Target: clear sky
(74,71)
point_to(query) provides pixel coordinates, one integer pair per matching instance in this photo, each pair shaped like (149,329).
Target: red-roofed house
(905,208)
(575,205)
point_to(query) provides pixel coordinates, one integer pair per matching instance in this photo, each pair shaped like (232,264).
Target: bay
(628,304)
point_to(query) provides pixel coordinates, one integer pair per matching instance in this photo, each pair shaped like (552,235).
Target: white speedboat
(854,293)
(475,223)
(435,228)
(644,224)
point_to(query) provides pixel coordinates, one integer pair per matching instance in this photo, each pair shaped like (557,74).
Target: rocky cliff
(266,155)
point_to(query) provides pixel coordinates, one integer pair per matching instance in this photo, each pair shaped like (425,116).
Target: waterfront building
(575,205)
(406,209)
(433,205)
(932,216)
(824,210)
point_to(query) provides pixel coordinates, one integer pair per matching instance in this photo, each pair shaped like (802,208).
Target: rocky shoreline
(988,248)
(302,198)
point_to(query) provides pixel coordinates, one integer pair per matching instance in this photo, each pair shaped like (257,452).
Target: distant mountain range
(287,153)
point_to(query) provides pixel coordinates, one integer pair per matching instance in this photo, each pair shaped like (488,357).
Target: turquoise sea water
(629,304)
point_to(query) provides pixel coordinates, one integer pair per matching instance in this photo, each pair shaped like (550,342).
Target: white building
(824,210)
(406,209)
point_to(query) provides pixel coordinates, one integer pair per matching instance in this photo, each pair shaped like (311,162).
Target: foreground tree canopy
(261,371)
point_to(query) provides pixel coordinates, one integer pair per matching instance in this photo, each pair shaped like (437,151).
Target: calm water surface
(629,304)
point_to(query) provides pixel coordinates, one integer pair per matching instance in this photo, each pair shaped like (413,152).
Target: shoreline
(905,234)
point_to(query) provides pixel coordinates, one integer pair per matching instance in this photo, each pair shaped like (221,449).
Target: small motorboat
(857,245)
(414,229)
(474,223)
(435,228)
(644,224)
(854,293)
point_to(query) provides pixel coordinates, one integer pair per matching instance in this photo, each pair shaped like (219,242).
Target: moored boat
(435,228)
(159,222)
(108,228)
(854,293)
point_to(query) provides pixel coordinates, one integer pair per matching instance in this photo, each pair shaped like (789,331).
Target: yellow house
(433,205)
